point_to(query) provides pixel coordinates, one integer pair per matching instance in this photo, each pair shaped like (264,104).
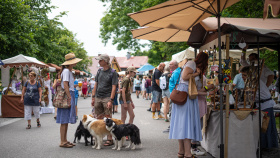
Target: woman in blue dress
(67,115)
(185,119)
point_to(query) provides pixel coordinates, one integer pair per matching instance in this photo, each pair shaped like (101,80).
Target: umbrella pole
(259,96)
(220,81)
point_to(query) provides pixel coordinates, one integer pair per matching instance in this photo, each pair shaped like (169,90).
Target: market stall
(10,103)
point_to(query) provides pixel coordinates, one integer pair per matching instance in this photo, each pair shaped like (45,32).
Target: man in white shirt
(267,76)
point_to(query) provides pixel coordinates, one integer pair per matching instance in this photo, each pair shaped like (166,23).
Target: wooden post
(22,76)
(227,102)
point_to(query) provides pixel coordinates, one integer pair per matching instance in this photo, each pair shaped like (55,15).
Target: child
(76,98)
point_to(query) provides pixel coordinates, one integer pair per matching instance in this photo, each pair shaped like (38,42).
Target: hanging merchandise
(242,43)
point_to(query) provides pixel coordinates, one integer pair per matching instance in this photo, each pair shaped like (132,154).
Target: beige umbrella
(161,34)
(275,8)
(179,14)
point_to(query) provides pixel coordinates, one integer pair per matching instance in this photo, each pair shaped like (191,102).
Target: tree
(26,29)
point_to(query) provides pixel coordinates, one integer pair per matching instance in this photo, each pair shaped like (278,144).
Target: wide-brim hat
(71,59)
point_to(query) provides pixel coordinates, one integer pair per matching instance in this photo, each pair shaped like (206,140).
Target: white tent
(185,54)
(21,60)
(189,54)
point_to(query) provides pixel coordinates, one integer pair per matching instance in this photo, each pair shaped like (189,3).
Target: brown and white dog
(97,128)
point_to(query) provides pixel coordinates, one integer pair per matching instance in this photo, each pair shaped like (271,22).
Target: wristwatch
(112,100)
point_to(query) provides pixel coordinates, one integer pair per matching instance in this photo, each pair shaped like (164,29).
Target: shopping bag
(61,100)
(192,88)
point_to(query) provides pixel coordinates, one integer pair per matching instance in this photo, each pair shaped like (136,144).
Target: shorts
(165,93)
(137,88)
(121,102)
(28,112)
(149,90)
(76,101)
(100,106)
(156,96)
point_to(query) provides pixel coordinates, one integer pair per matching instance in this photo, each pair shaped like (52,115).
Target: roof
(136,61)
(94,67)
(21,60)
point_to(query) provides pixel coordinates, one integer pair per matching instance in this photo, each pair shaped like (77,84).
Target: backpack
(164,81)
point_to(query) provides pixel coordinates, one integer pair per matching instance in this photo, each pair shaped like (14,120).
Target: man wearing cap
(156,91)
(103,94)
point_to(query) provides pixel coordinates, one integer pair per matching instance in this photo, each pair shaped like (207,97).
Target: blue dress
(185,119)
(67,115)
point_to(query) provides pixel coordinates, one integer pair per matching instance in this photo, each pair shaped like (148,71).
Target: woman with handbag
(57,87)
(31,96)
(67,115)
(185,119)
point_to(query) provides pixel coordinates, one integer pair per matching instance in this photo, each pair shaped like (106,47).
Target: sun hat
(71,59)
(131,68)
(104,57)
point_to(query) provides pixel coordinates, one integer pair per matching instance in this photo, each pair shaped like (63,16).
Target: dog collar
(88,123)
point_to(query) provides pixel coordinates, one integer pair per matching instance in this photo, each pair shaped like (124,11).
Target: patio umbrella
(183,15)
(275,8)
(146,67)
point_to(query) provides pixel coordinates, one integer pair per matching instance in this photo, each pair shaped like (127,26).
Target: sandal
(28,126)
(38,124)
(71,144)
(180,155)
(109,143)
(66,145)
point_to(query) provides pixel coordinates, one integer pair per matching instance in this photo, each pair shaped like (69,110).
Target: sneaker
(197,152)
(160,117)
(166,120)
(149,109)
(155,118)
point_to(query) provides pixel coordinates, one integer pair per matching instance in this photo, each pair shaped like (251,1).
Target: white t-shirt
(92,82)
(265,71)
(67,75)
(191,64)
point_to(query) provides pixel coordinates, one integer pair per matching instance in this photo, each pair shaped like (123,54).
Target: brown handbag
(178,97)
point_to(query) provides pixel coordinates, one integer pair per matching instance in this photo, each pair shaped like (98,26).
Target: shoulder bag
(178,97)
(61,99)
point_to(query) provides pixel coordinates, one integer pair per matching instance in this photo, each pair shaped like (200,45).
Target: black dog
(119,132)
(81,131)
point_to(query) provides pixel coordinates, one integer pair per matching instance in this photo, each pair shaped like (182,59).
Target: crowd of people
(107,89)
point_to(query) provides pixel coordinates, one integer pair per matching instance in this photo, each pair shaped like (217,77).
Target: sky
(83,18)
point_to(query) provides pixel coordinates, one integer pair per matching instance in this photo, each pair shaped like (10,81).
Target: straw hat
(71,59)
(131,68)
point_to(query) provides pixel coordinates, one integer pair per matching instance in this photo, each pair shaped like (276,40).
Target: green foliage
(26,29)
(271,59)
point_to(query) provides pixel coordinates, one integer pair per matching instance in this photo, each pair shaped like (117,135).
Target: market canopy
(240,29)
(146,67)
(21,60)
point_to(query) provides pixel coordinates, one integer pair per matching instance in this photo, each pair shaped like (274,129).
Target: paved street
(17,142)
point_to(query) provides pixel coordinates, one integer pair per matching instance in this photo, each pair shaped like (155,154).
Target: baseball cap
(76,82)
(131,68)
(104,57)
